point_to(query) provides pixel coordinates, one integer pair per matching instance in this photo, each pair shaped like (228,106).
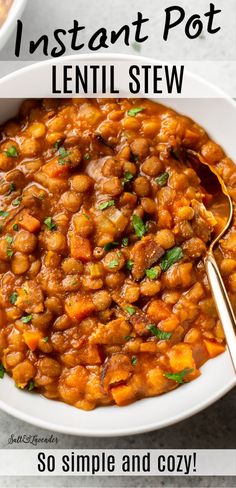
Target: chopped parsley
(127,177)
(57,144)
(162,179)
(9,253)
(113,263)
(139,226)
(134,111)
(31,385)
(171,257)
(86,216)
(2,371)
(127,338)
(45,339)
(125,241)
(15,227)
(63,154)
(87,157)
(179,377)
(129,264)
(9,239)
(12,152)
(130,310)
(110,245)
(49,223)
(159,333)
(26,319)
(4,214)
(105,205)
(153,273)
(17,202)
(13,297)
(12,188)
(134,360)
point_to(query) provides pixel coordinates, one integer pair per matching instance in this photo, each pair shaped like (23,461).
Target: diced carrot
(80,248)
(29,223)
(54,170)
(123,394)
(32,339)
(78,307)
(181,357)
(214,348)
(148,347)
(169,324)
(158,310)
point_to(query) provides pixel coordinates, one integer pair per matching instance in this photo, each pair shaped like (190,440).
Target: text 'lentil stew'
(103,293)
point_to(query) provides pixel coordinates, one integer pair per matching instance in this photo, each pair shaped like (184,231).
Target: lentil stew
(103,293)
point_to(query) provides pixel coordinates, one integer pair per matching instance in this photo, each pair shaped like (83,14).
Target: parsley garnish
(9,239)
(17,202)
(134,360)
(26,319)
(110,245)
(113,263)
(63,154)
(87,157)
(2,371)
(9,253)
(129,264)
(171,257)
(134,111)
(179,377)
(4,214)
(127,338)
(159,333)
(12,188)
(31,385)
(162,179)
(153,273)
(13,297)
(105,205)
(86,216)
(45,339)
(127,177)
(139,226)
(57,144)
(125,241)
(11,152)
(15,227)
(49,223)
(130,310)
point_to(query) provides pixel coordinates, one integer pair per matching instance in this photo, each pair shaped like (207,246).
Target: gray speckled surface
(216,426)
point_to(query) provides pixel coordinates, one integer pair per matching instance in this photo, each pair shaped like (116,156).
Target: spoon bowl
(221,207)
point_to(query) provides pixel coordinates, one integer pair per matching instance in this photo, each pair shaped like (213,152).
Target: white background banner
(68,462)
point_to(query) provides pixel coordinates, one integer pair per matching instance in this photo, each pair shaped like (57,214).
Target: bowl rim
(209,400)
(7,27)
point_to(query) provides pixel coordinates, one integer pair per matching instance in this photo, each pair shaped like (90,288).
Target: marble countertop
(214,427)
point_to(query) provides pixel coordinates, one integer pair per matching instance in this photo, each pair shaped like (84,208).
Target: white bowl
(218,117)
(14,13)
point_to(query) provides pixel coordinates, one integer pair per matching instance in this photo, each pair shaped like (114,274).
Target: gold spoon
(221,204)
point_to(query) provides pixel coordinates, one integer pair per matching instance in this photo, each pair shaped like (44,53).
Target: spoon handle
(223,304)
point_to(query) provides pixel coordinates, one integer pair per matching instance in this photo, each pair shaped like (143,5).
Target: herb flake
(12,152)
(49,223)
(162,179)
(26,319)
(105,205)
(139,226)
(134,111)
(130,310)
(134,360)
(153,273)
(13,297)
(163,336)
(171,257)
(179,377)
(2,371)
